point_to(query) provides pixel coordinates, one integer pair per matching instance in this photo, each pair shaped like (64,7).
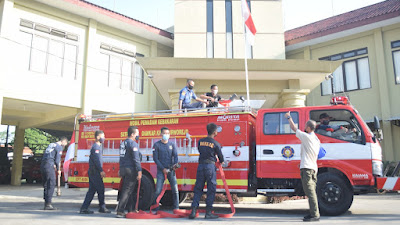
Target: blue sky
(160,13)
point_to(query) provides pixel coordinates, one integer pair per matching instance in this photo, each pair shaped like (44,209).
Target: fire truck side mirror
(377,125)
(378,130)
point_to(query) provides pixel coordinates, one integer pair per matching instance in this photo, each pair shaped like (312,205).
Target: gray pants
(309,181)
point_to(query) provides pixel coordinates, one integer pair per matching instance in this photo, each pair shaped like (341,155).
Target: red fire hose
(177,213)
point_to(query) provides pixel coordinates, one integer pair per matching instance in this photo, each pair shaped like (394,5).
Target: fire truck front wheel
(146,193)
(335,195)
(166,200)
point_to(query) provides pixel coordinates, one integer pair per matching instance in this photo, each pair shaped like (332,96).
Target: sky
(160,13)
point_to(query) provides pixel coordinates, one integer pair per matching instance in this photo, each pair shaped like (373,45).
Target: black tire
(146,193)
(166,200)
(335,195)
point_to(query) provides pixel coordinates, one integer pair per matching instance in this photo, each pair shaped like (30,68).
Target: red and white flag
(69,156)
(248,21)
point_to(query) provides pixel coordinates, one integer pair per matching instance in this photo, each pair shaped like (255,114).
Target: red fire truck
(262,152)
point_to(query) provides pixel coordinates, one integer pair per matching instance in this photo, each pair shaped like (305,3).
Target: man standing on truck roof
(50,162)
(165,156)
(187,94)
(310,145)
(206,171)
(129,169)
(212,97)
(96,175)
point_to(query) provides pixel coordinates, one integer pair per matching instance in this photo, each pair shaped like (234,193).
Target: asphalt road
(23,206)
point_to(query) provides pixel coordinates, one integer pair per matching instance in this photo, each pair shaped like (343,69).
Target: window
(210,29)
(276,123)
(351,75)
(396,60)
(138,79)
(342,125)
(47,50)
(229,33)
(120,71)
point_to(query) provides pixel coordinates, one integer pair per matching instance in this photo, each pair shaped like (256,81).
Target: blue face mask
(102,140)
(165,137)
(137,138)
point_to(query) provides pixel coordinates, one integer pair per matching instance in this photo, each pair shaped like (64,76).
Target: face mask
(165,137)
(190,87)
(137,138)
(102,140)
(325,122)
(215,92)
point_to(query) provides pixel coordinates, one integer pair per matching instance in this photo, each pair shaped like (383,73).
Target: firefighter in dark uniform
(50,164)
(96,175)
(129,169)
(165,156)
(206,171)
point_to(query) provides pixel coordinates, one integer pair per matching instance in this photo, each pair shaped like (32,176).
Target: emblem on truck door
(287,152)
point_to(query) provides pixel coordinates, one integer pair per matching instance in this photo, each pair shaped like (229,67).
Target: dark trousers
(205,173)
(129,179)
(95,185)
(49,181)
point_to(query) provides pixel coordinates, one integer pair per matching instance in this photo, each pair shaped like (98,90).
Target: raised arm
(291,123)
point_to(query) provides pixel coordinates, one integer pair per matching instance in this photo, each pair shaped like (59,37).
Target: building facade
(367,42)
(60,58)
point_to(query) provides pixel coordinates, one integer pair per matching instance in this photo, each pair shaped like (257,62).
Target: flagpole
(245,65)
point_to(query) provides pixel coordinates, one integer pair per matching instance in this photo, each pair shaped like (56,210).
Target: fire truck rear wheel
(146,193)
(166,200)
(335,195)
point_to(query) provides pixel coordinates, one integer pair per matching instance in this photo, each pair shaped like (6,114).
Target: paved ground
(23,205)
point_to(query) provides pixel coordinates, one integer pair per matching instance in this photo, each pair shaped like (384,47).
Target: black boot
(86,211)
(103,209)
(193,213)
(210,215)
(48,206)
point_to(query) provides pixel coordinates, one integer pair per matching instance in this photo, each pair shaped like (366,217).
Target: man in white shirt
(310,145)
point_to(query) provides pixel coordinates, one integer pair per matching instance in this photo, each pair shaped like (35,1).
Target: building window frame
(50,34)
(353,56)
(396,64)
(229,29)
(209,29)
(124,55)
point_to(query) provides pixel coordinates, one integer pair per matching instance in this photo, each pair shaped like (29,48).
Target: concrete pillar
(307,53)
(153,49)
(293,97)
(17,156)
(89,60)
(174,96)
(384,95)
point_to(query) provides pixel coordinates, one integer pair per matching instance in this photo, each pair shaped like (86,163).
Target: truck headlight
(377,168)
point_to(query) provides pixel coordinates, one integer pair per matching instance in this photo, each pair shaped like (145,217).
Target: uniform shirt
(216,97)
(310,145)
(165,155)
(129,155)
(208,148)
(96,158)
(186,95)
(52,155)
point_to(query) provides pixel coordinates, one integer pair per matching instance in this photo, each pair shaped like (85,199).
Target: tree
(38,140)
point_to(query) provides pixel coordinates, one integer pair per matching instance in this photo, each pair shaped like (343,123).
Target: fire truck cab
(262,152)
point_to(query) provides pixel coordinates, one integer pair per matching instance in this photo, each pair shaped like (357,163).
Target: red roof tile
(356,18)
(119,16)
